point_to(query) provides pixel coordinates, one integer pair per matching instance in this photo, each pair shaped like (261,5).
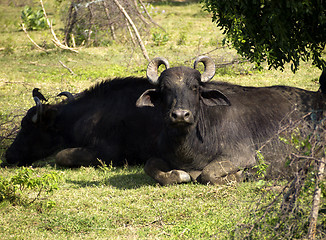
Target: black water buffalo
(212,130)
(100,123)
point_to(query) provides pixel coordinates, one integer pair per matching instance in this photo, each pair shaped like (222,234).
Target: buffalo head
(38,136)
(180,91)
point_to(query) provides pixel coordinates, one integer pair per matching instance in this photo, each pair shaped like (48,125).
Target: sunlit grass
(126,203)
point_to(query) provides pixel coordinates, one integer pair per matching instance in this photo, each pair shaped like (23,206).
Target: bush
(280,32)
(285,212)
(33,20)
(26,186)
(160,38)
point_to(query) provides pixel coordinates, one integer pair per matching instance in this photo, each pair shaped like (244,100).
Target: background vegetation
(109,203)
(278,32)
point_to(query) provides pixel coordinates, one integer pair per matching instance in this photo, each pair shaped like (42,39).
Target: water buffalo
(212,130)
(100,123)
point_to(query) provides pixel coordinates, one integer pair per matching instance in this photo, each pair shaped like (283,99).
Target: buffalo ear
(148,98)
(214,98)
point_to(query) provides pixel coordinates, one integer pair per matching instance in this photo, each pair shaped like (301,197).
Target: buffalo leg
(219,172)
(162,173)
(76,157)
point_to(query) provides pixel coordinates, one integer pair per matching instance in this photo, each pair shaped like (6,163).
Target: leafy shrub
(160,38)
(26,186)
(261,165)
(33,20)
(286,213)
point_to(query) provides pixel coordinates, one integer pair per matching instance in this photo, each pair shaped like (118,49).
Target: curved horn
(68,95)
(152,68)
(209,65)
(39,110)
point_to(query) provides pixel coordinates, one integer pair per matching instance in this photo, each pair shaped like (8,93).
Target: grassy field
(126,204)
(122,203)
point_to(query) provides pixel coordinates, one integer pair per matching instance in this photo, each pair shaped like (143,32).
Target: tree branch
(55,40)
(109,20)
(149,16)
(67,68)
(140,42)
(36,45)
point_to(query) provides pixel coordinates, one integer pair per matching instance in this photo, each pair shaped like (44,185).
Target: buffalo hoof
(220,173)
(181,176)
(174,177)
(220,180)
(162,173)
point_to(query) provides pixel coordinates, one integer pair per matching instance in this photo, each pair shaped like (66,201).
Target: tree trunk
(316,201)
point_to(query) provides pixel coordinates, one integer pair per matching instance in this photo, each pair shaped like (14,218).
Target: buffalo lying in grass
(212,130)
(100,123)
(184,126)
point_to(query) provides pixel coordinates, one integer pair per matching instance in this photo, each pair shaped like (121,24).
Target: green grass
(127,204)
(123,203)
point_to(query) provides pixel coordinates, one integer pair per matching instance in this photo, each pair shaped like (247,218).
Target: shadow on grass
(121,181)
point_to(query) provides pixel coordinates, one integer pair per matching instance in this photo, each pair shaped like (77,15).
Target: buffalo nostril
(181,115)
(174,115)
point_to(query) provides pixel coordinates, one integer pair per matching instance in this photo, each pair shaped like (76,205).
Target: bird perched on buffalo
(39,95)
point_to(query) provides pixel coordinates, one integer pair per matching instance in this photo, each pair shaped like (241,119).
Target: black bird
(39,95)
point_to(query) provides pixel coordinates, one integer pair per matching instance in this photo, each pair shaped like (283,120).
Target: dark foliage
(277,31)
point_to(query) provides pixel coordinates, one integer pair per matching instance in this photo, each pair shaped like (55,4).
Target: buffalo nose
(181,115)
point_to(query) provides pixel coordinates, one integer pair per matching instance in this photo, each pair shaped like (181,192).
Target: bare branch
(67,68)
(140,42)
(217,48)
(139,13)
(36,45)
(109,19)
(316,201)
(9,129)
(149,16)
(130,32)
(73,40)
(91,23)
(55,40)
